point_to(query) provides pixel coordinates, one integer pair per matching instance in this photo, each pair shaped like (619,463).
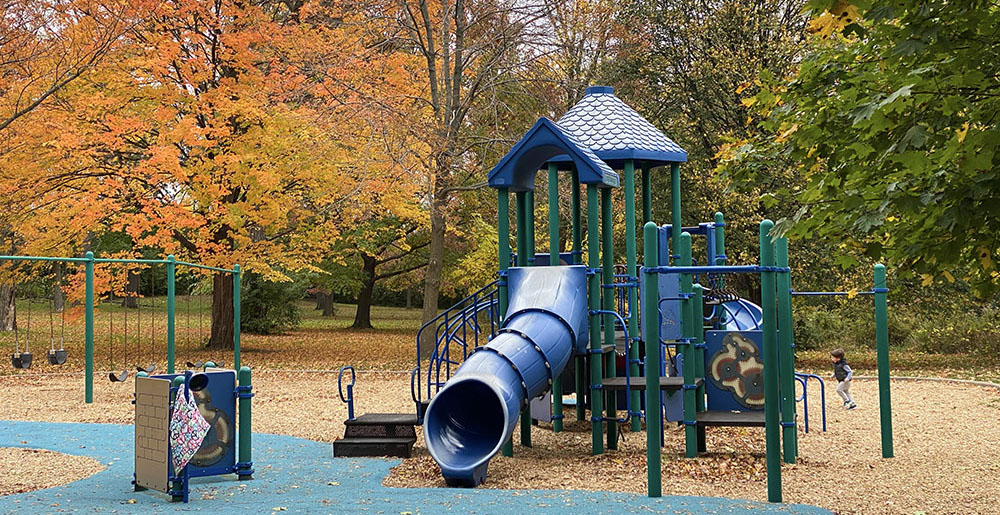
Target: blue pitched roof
(616,132)
(545,140)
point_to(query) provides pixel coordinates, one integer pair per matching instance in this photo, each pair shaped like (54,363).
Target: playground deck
(301,475)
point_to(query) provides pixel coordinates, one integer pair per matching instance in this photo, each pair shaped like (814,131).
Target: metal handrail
(350,390)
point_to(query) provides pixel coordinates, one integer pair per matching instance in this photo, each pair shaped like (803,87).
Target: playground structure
(704,356)
(102,271)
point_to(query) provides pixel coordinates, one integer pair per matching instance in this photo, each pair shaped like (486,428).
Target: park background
(337,151)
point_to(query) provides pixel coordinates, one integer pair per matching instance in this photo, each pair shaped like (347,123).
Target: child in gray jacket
(842,371)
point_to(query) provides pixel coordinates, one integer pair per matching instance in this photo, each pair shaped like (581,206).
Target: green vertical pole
(720,241)
(594,303)
(529,225)
(581,361)
(503,257)
(171,291)
(237,323)
(521,211)
(178,485)
(698,324)
(769,327)
(608,296)
(675,197)
(683,246)
(244,469)
(633,300)
(651,335)
(786,351)
(647,196)
(557,391)
(882,349)
(88,321)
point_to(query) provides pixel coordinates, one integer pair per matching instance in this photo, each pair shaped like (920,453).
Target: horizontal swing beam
(115,260)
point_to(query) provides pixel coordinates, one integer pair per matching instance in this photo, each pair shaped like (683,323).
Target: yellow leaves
(961,133)
(742,87)
(926,279)
(853,292)
(786,133)
(947,275)
(834,20)
(749,101)
(985,259)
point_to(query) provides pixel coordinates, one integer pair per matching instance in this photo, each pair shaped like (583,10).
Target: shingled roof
(616,132)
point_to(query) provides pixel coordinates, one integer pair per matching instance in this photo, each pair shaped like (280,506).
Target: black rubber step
(358,447)
(639,383)
(384,419)
(731,418)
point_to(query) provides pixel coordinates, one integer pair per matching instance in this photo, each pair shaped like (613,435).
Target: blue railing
(459,326)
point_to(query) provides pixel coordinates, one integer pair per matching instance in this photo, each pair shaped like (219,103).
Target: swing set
(152,319)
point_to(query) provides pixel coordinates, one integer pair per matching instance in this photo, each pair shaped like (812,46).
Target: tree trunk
(435,261)
(8,321)
(319,300)
(131,299)
(58,298)
(222,312)
(363,317)
(326,303)
(409,297)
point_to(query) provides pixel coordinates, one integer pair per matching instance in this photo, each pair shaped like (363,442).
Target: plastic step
(731,418)
(639,383)
(395,419)
(358,447)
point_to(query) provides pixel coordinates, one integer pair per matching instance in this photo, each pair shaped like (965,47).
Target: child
(842,371)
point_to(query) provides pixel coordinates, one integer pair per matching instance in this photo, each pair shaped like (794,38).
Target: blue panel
(217,403)
(734,370)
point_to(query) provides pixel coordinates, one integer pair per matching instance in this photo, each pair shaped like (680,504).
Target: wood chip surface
(947,445)
(25,470)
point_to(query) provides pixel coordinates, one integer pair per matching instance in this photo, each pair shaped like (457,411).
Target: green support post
(88,321)
(675,197)
(581,361)
(608,297)
(244,469)
(178,484)
(237,323)
(503,233)
(786,350)
(171,292)
(651,335)
(683,246)
(633,300)
(698,324)
(594,303)
(647,196)
(557,391)
(882,349)
(720,240)
(772,408)
(529,258)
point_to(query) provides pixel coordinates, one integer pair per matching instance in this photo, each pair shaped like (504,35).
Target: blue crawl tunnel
(475,413)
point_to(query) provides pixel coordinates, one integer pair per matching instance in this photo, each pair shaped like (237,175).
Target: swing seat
(118,378)
(57,357)
(148,370)
(21,360)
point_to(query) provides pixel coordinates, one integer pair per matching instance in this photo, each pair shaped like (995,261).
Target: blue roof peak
(615,132)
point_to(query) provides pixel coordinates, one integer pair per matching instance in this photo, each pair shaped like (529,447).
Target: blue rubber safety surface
(298,475)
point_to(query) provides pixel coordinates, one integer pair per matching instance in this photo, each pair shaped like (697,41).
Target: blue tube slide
(741,315)
(475,413)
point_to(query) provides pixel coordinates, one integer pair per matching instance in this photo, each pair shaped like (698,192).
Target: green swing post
(581,361)
(171,291)
(882,350)
(557,397)
(608,297)
(772,407)
(633,301)
(786,351)
(651,335)
(237,323)
(594,302)
(244,469)
(689,364)
(88,321)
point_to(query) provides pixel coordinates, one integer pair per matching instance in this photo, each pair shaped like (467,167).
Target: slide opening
(465,424)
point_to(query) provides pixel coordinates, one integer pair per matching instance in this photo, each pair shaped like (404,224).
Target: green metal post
(698,324)
(594,302)
(503,257)
(651,335)
(557,391)
(529,224)
(690,368)
(633,300)
(520,209)
(171,291)
(237,323)
(244,469)
(786,351)
(178,484)
(772,408)
(647,196)
(720,243)
(581,361)
(88,322)
(882,349)
(675,197)
(608,296)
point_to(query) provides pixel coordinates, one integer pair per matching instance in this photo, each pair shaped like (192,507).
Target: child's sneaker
(847,404)
(852,406)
